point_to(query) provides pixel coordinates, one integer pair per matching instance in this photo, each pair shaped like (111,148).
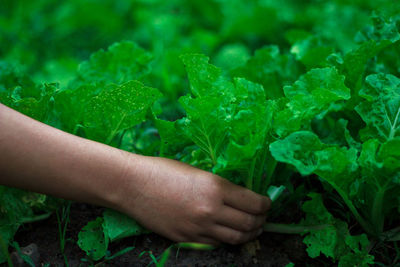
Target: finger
(244,199)
(234,237)
(240,220)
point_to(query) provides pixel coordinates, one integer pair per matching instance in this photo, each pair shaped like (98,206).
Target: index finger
(245,200)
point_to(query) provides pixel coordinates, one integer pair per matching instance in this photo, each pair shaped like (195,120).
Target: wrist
(121,190)
(110,178)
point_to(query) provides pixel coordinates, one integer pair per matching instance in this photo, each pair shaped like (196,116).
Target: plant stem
(392,235)
(393,128)
(292,229)
(114,131)
(249,180)
(121,137)
(62,229)
(258,177)
(364,224)
(269,171)
(75,130)
(376,212)
(36,218)
(4,249)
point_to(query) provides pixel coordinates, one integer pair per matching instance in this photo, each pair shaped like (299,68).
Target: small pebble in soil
(32,251)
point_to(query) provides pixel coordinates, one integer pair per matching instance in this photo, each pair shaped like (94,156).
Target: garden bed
(268,250)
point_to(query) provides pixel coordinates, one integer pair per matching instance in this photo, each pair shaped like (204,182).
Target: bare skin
(168,197)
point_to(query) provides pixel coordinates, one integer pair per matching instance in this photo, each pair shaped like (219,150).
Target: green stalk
(249,180)
(292,229)
(114,131)
(4,248)
(258,177)
(75,130)
(121,137)
(195,246)
(391,235)
(378,219)
(62,229)
(212,156)
(166,254)
(119,253)
(270,169)
(364,224)
(393,128)
(36,218)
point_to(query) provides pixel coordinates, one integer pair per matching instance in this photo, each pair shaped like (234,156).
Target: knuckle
(212,186)
(250,223)
(216,185)
(204,211)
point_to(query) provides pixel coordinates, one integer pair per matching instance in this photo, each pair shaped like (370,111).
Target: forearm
(40,158)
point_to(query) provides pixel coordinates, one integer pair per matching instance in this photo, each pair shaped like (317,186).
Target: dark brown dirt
(268,250)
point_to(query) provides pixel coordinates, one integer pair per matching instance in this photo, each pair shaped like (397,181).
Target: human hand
(168,197)
(186,204)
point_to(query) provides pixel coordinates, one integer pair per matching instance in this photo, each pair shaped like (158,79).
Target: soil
(268,250)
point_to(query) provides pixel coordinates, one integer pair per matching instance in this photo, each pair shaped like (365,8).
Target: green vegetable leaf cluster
(95,237)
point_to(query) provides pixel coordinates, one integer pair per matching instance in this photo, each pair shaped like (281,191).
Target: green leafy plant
(63,221)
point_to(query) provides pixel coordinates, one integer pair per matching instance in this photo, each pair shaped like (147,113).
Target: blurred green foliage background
(48,38)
